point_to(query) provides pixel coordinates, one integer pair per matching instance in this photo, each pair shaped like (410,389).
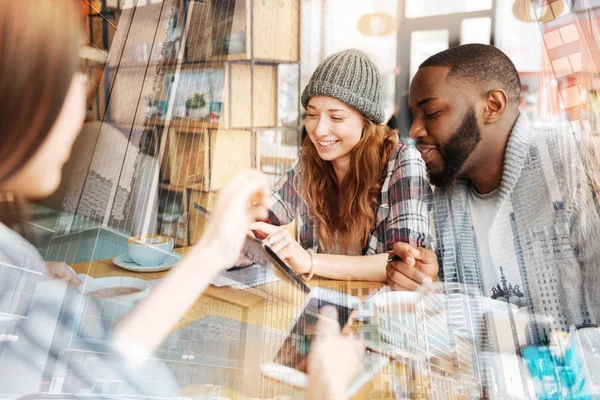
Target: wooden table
(267,310)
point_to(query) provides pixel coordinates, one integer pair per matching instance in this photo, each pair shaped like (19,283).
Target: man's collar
(515,155)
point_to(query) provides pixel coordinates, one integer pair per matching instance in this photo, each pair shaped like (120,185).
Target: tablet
(252,255)
(262,255)
(289,365)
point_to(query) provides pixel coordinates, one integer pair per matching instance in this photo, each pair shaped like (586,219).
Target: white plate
(123,261)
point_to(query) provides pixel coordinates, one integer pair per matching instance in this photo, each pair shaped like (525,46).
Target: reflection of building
(531,240)
(209,351)
(431,360)
(508,328)
(536,246)
(463,287)
(445,368)
(112,182)
(212,351)
(397,330)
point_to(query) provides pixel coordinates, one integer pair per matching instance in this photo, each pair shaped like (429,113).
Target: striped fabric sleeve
(283,203)
(64,339)
(409,201)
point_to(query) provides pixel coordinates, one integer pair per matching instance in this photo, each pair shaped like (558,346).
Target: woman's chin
(328,155)
(43,189)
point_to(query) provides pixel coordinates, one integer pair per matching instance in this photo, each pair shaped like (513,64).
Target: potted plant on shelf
(152,111)
(196,107)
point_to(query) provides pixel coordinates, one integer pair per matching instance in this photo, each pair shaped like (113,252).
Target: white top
(483,208)
(45,322)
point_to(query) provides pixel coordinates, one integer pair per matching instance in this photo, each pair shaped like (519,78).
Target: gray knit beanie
(351,77)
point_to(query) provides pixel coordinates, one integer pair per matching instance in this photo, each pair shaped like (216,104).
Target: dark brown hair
(346,208)
(473,63)
(39,42)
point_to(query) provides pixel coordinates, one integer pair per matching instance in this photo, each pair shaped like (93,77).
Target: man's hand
(417,266)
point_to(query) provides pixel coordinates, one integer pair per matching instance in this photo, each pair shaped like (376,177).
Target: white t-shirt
(499,282)
(482,208)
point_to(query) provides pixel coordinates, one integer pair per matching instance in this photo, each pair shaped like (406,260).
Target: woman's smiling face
(333,127)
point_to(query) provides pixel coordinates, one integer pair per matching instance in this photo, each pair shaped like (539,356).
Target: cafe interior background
(184,93)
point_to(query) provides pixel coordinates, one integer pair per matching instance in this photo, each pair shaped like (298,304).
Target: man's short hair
(479,64)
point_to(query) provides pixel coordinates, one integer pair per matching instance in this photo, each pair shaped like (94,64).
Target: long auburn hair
(345,211)
(39,44)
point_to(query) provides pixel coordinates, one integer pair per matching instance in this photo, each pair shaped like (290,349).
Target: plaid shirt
(402,213)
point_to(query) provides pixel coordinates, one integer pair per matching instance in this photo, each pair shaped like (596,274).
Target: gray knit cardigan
(554,219)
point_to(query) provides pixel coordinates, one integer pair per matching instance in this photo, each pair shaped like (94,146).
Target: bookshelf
(218,88)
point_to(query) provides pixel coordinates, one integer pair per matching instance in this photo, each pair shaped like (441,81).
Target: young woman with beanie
(355,189)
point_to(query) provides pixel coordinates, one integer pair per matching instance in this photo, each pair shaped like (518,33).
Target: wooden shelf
(181,243)
(227,57)
(169,63)
(267,30)
(200,188)
(172,188)
(181,189)
(186,125)
(179,125)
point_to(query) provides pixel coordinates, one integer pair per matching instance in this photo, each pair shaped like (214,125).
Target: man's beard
(455,153)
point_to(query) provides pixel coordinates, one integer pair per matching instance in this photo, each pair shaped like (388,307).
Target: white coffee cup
(149,250)
(116,288)
(113,297)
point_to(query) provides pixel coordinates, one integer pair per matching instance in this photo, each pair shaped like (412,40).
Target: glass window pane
(347,24)
(580,5)
(519,40)
(427,8)
(476,30)
(424,44)
(287,95)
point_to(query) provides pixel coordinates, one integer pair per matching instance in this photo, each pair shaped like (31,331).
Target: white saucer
(123,261)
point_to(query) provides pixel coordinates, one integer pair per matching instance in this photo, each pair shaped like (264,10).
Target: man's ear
(496,102)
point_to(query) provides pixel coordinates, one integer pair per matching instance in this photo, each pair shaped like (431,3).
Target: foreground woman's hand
(61,270)
(240,203)
(285,246)
(334,360)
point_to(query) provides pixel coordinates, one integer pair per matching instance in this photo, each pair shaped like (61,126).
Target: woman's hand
(60,270)
(285,246)
(240,203)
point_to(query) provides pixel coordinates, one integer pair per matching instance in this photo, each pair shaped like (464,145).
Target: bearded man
(514,212)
